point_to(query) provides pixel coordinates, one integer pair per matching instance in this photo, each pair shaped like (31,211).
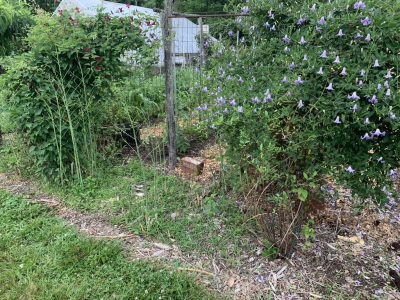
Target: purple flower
(301,21)
(353,96)
(300,104)
(241,80)
(305,58)
(205,90)
(256,100)
(350,170)
(362,73)
(273,28)
(324,54)
(321,71)
(359,5)
(386,84)
(313,8)
(393,174)
(373,100)
(379,87)
(388,93)
(392,116)
(232,103)
(358,36)
(220,101)
(368,38)
(219,89)
(337,120)
(292,66)
(268,97)
(360,83)
(380,160)
(286,39)
(322,21)
(284,80)
(240,109)
(366,21)
(343,73)
(203,108)
(286,50)
(376,64)
(245,10)
(337,60)
(355,108)
(378,133)
(330,87)
(367,122)
(388,75)
(340,33)
(298,81)
(318,29)
(366,137)
(302,41)
(230,33)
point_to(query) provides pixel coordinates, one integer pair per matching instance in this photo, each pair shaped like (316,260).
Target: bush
(311,91)
(60,89)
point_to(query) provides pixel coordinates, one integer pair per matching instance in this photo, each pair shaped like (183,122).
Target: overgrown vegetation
(318,96)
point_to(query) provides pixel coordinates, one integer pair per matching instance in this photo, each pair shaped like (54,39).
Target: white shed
(185,31)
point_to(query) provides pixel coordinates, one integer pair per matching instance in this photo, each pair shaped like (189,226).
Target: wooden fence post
(169,82)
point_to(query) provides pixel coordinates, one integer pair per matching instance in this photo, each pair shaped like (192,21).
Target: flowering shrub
(312,90)
(60,89)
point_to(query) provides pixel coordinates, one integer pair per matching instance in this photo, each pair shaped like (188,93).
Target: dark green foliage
(60,90)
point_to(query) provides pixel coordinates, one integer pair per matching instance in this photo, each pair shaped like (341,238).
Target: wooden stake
(169,83)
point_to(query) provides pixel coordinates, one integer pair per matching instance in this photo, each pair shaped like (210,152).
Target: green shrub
(291,115)
(60,90)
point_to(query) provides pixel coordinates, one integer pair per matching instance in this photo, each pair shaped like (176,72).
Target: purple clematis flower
(286,50)
(368,38)
(324,54)
(337,120)
(388,93)
(300,104)
(360,83)
(359,5)
(205,90)
(232,103)
(337,60)
(305,58)
(343,73)
(376,64)
(273,28)
(393,174)
(241,80)
(220,101)
(392,116)
(230,33)
(366,137)
(350,170)
(388,75)
(313,8)
(321,71)
(340,33)
(245,10)
(386,84)
(240,109)
(378,133)
(362,73)
(373,100)
(284,80)
(318,29)
(256,100)
(267,25)
(353,96)
(367,122)
(301,21)
(302,41)
(292,66)
(286,39)
(355,108)
(358,36)
(322,21)
(379,87)
(330,87)
(366,21)
(268,97)
(298,81)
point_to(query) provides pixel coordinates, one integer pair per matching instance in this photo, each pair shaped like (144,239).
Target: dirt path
(349,257)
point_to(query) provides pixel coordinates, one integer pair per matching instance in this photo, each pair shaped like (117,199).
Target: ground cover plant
(42,258)
(318,96)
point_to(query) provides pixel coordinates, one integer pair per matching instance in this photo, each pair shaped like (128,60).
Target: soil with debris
(352,255)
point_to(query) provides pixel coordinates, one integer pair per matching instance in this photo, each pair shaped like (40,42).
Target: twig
(196,271)
(124,236)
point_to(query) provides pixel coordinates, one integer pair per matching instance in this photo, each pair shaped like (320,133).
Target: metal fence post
(169,83)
